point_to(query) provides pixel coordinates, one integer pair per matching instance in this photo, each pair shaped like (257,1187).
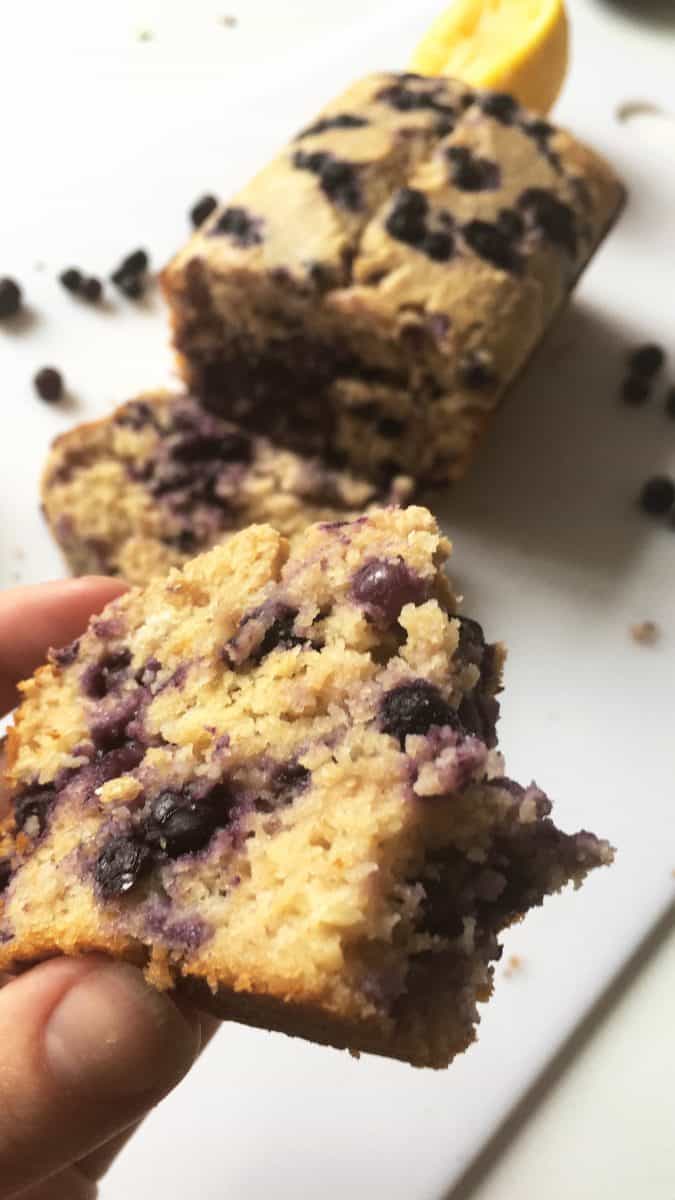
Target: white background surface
(109,141)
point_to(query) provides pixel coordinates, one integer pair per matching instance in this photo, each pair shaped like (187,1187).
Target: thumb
(86,1047)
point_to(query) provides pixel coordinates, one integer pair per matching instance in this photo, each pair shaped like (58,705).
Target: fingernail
(111,1034)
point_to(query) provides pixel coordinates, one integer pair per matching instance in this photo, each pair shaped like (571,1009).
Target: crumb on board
(514,963)
(628,110)
(145,35)
(646,633)
(229,21)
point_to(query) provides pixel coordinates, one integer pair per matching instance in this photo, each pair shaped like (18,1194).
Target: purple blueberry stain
(102,676)
(108,729)
(384,586)
(65,656)
(415,708)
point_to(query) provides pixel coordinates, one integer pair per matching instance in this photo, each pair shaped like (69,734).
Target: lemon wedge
(517,46)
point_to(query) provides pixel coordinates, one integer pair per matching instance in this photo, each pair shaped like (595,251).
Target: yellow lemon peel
(516,46)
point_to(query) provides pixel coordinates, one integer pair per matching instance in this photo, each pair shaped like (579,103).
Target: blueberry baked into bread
(272,778)
(375,288)
(161,479)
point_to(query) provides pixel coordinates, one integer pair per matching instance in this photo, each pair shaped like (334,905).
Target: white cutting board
(107,139)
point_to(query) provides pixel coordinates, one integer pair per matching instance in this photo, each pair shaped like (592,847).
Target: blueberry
(100,677)
(280,634)
(10,298)
(658,496)
(406,221)
(185,541)
(404,99)
(390,427)
(123,861)
(339,121)
(117,762)
(92,289)
(5,874)
(48,383)
(555,219)
(384,586)
(414,708)
(646,361)
(471,637)
(179,824)
(510,223)
(540,131)
(636,390)
(337,179)
(239,225)
(136,415)
(202,209)
(471,173)
(131,286)
(229,446)
(71,279)
(135,263)
(439,245)
(288,779)
(108,731)
(476,374)
(490,243)
(501,106)
(35,802)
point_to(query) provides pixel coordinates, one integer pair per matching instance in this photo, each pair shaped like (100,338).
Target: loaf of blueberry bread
(162,479)
(374,290)
(272,778)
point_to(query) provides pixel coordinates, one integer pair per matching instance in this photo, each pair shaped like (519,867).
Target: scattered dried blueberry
(91,289)
(10,298)
(414,708)
(471,173)
(489,242)
(132,286)
(646,361)
(48,383)
(71,279)
(121,864)
(658,496)
(636,390)
(384,586)
(202,209)
(337,179)
(179,824)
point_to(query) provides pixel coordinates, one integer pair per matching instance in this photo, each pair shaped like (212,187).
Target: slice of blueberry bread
(162,479)
(376,287)
(272,777)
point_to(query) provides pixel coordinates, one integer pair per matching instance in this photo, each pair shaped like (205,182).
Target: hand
(86,1047)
